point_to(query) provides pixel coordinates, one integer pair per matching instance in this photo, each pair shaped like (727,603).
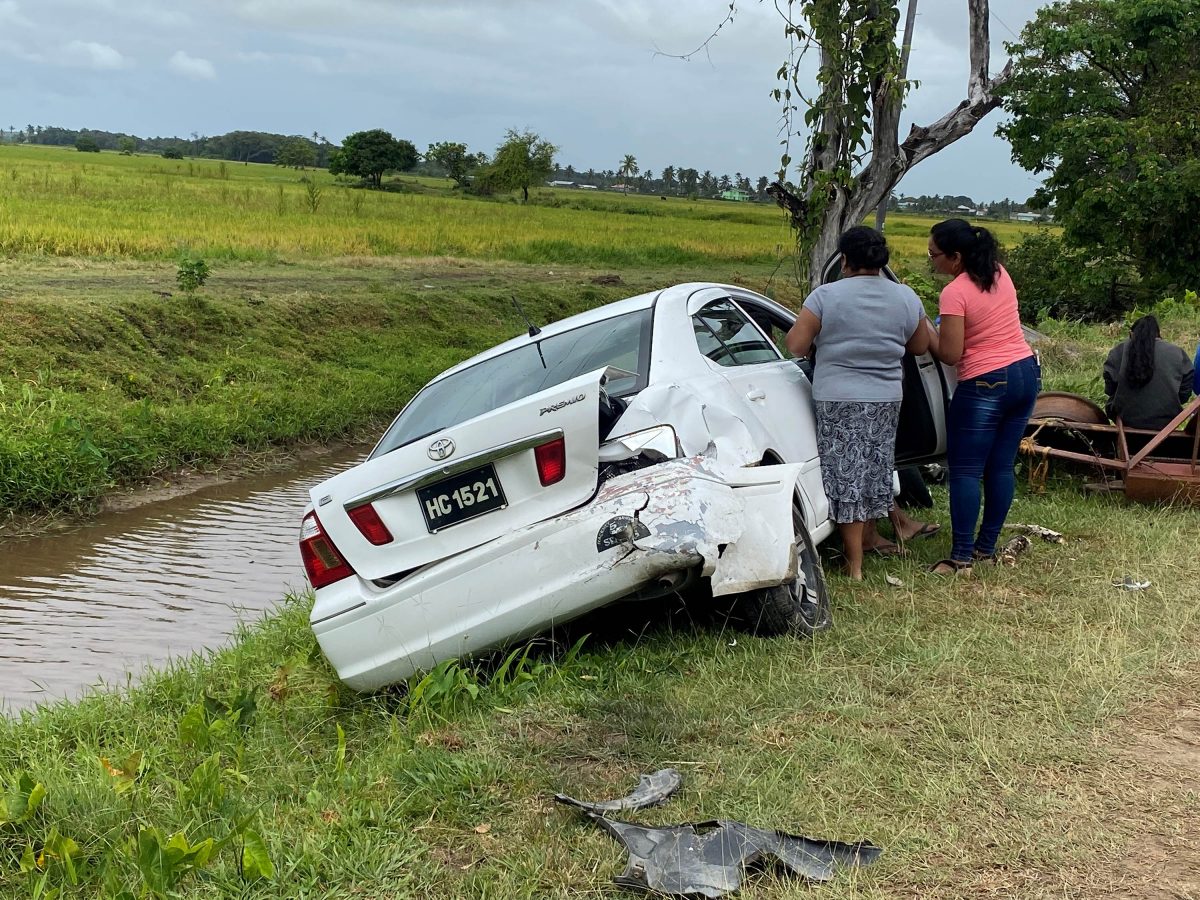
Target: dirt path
(1155,796)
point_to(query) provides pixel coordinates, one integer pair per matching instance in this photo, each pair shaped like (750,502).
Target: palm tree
(629,168)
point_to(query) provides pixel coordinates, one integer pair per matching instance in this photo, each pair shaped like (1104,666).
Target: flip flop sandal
(889,552)
(929,529)
(951,567)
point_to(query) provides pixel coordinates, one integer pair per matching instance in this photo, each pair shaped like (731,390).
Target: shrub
(191,274)
(1061,282)
(87,144)
(172,153)
(922,284)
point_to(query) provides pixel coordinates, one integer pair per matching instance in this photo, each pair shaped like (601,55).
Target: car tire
(799,607)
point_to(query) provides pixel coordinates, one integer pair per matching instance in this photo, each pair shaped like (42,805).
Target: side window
(772,325)
(728,338)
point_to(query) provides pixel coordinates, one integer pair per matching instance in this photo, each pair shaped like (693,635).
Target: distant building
(1030,217)
(563,184)
(588,187)
(736,194)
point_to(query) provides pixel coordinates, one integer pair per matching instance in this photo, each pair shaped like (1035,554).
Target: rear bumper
(683,515)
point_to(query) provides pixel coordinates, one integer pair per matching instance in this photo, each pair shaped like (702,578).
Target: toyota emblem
(441,448)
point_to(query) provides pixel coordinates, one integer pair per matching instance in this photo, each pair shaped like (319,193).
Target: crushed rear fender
(737,521)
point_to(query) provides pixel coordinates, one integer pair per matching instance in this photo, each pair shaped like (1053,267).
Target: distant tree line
(236,146)
(959,204)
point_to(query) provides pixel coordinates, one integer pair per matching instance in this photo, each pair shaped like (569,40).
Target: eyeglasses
(933,255)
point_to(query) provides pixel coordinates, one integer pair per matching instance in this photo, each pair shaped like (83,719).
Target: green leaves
(162,862)
(1104,99)
(191,274)
(522,160)
(256,862)
(21,800)
(193,728)
(204,787)
(369,154)
(123,774)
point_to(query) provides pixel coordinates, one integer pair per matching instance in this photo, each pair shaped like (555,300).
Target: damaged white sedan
(618,454)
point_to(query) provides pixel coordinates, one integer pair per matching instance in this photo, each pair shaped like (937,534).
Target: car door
(771,388)
(921,435)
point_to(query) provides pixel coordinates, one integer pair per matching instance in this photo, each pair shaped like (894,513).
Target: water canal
(129,589)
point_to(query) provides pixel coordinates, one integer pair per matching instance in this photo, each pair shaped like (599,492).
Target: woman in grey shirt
(861,326)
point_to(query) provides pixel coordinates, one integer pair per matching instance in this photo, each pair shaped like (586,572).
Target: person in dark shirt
(1147,379)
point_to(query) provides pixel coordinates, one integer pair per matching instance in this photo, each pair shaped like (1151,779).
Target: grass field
(58,202)
(975,729)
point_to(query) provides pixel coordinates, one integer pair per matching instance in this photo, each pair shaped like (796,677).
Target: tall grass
(56,202)
(112,206)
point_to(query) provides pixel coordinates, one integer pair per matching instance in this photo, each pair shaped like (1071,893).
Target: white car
(618,454)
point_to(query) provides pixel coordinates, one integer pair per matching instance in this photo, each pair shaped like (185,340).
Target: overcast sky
(583,73)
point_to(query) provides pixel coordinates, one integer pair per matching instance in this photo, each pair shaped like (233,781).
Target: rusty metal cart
(1149,466)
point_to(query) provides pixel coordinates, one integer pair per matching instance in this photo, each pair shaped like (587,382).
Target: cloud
(90,55)
(191,66)
(10,14)
(290,61)
(16,51)
(145,12)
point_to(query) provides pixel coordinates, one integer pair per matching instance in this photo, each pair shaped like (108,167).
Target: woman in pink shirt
(998,382)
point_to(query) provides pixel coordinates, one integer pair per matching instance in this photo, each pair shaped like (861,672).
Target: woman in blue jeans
(998,382)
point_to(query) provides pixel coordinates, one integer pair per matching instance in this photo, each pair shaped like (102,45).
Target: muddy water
(137,587)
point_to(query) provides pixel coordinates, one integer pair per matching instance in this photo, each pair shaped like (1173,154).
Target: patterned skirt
(857,444)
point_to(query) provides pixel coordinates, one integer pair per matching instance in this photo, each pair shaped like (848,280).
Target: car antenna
(534,331)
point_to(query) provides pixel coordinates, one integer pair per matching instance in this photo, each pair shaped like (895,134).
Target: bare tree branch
(708,40)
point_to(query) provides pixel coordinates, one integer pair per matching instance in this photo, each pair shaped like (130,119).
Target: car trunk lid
(466,484)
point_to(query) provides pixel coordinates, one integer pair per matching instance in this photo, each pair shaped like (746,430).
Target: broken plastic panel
(652,790)
(710,859)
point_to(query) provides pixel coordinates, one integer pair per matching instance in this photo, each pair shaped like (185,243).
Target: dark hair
(864,248)
(1139,361)
(979,251)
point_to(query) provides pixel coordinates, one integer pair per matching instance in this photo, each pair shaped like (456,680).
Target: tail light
(322,561)
(551,461)
(367,520)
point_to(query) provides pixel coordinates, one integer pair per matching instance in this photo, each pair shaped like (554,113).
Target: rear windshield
(622,341)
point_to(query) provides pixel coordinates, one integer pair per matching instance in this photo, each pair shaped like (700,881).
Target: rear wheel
(800,606)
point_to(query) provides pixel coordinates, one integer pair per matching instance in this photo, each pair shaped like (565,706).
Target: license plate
(462,497)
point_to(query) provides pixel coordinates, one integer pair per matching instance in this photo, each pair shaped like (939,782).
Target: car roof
(673,293)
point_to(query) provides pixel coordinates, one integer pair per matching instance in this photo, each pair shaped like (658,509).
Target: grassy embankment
(969,727)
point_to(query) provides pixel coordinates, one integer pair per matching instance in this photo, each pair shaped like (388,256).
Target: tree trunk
(910,22)
(889,159)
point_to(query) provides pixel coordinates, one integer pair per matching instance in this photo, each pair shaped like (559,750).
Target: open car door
(928,385)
